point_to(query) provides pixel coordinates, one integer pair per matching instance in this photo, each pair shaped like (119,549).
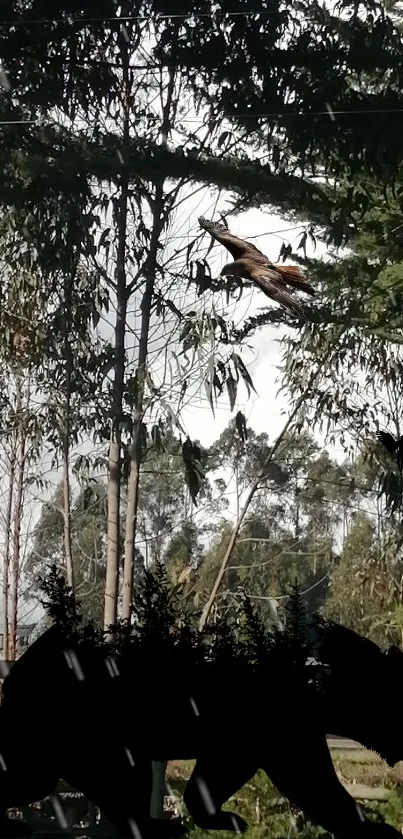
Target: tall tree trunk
(158,768)
(158,790)
(297,509)
(6,556)
(16,537)
(232,540)
(66,439)
(159,214)
(67,514)
(114,463)
(159,209)
(136,452)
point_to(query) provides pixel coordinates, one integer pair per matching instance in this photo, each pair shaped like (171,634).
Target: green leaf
(302,242)
(223,138)
(157,439)
(232,390)
(189,250)
(103,239)
(285,251)
(208,387)
(194,472)
(240,425)
(171,415)
(244,373)
(275,156)
(186,330)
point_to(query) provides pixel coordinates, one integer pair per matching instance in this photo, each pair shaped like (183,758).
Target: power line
(20,121)
(128,18)
(340,112)
(302,593)
(369,111)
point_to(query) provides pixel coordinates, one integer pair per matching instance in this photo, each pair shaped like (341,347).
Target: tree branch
(231,544)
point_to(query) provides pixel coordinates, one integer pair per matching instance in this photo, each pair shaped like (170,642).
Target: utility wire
(233,116)
(128,18)
(20,121)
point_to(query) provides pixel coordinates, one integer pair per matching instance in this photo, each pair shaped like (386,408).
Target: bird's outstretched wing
(387,441)
(238,248)
(275,289)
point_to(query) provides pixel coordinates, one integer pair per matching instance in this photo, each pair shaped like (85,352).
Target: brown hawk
(252,264)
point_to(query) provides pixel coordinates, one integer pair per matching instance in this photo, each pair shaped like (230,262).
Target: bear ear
(394,652)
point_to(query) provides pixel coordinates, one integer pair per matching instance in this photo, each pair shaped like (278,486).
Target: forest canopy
(116,120)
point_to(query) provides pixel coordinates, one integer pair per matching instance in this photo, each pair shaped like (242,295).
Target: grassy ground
(357,766)
(363,767)
(270,815)
(268,818)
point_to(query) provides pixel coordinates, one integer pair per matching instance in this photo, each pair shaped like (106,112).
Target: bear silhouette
(72,711)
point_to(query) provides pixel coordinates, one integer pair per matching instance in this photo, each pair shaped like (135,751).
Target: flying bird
(252,264)
(394,447)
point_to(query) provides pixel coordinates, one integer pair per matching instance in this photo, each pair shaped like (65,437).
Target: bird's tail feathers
(287,299)
(277,291)
(293,275)
(292,304)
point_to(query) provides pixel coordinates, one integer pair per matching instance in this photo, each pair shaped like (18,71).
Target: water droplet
(235,825)
(3,763)
(120,156)
(134,829)
(360,813)
(4,669)
(330,111)
(61,818)
(112,667)
(74,664)
(129,756)
(206,796)
(391,296)
(125,33)
(194,707)
(4,80)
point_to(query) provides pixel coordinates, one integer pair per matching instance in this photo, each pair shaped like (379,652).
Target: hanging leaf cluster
(194,472)
(391,489)
(241,427)
(225,376)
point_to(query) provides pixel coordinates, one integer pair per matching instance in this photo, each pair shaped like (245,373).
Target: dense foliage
(314,521)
